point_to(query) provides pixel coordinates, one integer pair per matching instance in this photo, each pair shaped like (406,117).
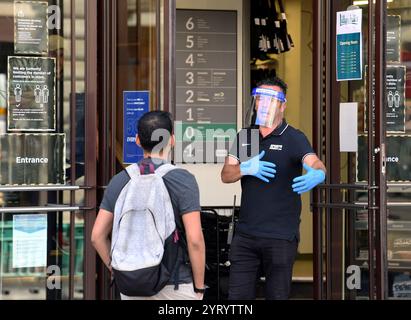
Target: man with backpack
(152,211)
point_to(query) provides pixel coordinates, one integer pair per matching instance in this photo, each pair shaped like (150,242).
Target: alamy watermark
(353,281)
(54,19)
(53,281)
(206,146)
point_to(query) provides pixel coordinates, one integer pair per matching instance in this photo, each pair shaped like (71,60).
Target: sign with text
(395,95)
(31,94)
(206,67)
(32,159)
(136,104)
(393,38)
(398,158)
(349,45)
(29,240)
(30,27)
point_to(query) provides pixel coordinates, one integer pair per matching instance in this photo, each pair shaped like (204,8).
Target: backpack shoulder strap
(133,171)
(164,169)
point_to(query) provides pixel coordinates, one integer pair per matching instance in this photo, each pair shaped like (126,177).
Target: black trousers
(248,254)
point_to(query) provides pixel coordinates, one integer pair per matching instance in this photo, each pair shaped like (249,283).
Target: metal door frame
(326,98)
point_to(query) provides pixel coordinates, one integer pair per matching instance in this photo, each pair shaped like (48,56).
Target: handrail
(361,186)
(359,205)
(42,209)
(41,188)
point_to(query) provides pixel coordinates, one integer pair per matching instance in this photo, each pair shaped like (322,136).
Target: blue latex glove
(309,180)
(257,168)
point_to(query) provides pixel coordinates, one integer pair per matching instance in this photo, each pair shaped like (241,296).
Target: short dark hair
(274,82)
(151,122)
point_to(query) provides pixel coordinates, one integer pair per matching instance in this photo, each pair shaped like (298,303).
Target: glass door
(47,149)
(137,57)
(351,119)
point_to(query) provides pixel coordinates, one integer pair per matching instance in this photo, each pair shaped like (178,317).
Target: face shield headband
(266,102)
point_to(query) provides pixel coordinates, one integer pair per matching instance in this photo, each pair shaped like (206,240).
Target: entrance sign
(398,158)
(136,104)
(29,240)
(30,27)
(349,45)
(31,94)
(32,159)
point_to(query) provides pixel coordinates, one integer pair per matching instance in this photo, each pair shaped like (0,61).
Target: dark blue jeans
(248,254)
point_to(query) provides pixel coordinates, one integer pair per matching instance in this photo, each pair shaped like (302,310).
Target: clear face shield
(266,103)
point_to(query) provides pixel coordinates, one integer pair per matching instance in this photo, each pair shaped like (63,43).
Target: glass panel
(136,59)
(398,143)
(399,149)
(35,133)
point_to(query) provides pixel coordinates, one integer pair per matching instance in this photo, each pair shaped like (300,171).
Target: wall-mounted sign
(395,95)
(349,45)
(206,62)
(32,159)
(393,38)
(136,104)
(398,158)
(348,127)
(30,27)
(29,240)
(31,94)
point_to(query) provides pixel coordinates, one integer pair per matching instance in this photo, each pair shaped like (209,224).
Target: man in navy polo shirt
(268,158)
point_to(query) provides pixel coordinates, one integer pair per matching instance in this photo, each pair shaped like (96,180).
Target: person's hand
(308,181)
(257,168)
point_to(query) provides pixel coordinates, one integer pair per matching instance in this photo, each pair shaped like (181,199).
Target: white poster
(348,127)
(29,240)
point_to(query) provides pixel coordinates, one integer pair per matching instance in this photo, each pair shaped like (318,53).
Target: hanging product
(274,29)
(284,35)
(260,40)
(269,34)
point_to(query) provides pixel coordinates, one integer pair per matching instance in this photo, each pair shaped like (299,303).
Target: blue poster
(136,103)
(349,45)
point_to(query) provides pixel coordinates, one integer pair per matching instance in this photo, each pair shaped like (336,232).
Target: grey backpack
(145,239)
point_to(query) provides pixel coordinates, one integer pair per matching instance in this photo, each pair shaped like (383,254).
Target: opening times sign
(31,94)
(349,45)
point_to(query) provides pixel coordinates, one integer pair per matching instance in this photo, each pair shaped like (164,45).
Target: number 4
(190,60)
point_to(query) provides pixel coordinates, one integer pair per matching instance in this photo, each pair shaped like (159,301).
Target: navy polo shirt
(271,210)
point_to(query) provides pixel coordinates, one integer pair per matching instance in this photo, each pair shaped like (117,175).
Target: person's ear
(283,107)
(138,142)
